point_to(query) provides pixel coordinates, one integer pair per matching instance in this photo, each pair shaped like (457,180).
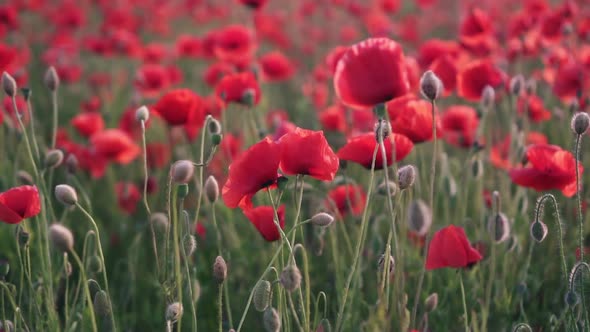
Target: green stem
(466,318)
(580,216)
(86,290)
(220,307)
(54,107)
(175,240)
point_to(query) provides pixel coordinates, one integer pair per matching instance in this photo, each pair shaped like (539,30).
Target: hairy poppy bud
(182,171)
(216,139)
(66,194)
(71,164)
(51,79)
(431,302)
(61,237)
(450,185)
(387,188)
(406,176)
(94,287)
(261,295)
(381,264)
(580,123)
(430,85)
(571,298)
(174,312)
(499,227)
(212,189)
(488,96)
(94,264)
(102,304)
(190,245)
(53,158)
(214,127)
(419,217)
(322,219)
(220,269)
(160,221)
(291,277)
(7,326)
(142,114)
(24,177)
(271,320)
(8,84)
(22,236)
(382,130)
(538,230)
(517,85)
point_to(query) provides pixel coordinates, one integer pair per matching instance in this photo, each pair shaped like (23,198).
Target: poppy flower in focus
(360,149)
(532,105)
(254,4)
(128,196)
(262,217)
(449,247)
(116,145)
(371,72)
(235,44)
(239,88)
(87,124)
(474,77)
(307,152)
(339,198)
(253,170)
(276,67)
(548,167)
(176,106)
(459,125)
(19,203)
(412,117)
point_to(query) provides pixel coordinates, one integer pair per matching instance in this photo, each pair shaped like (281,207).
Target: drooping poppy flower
(19,203)
(360,149)
(276,67)
(449,247)
(412,117)
(176,106)
(87,124)
(253,170)
(128,195)
(532,106)
(262,217)
(239,88)
(115,145)
(371,72)
(235,44)
(548,167)
(474,77)
(307,152)
(339,198)
(459,124)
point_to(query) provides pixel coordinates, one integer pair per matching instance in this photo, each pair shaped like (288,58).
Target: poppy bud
(174,312)
(66,194)
(406,176)
(488,97)
(571,298)
(516,85)
(291,277)
(182,171)
(499,227)
(580,123)
(450,185)
(531,86)
(190,245)
(431,302)
(419,217)
(248,97)
(261,295)
(430,85)
(212,189)
(216,139)
(196,290)
(538,231)
(4,269)
(26,93)
(387,188)
(322,219)
(214,127)
(142,114)
(381,264)
(24,177)
(574,106)
(512,243)
(271,320)
(160,221)
(8,84)
(94,287)
(382,130)
(94,264)
(51,79)
(182,190)
(477,168)
(53,158)
(220,269)
(22,236)
(71,164)
(380,110)
(102,304)
(61,237)
(7,326)
(68,269)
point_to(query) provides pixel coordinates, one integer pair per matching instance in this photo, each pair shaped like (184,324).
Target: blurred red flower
(333,118)
(500,152)
(188,46)
(360,149)
(412,117)
(152,79)
(339,198)
(158,155)
(459,124)
(475,76)
(235,44)
(216,71)
(450,248)
(254,4)
(533,106)
(276,67)
(236,87)
(477,33)
(88,123)
(128,196)
(177,106)
(262,217)
(115,145)
(19,203)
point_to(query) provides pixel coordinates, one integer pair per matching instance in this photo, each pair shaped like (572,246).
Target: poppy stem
(539,208)
(86,289)
(580,215)
(54,108)
(466,318)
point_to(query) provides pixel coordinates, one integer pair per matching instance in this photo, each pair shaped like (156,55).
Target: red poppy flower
(333,118)
(276,67)
(116,145)
(87,124)
(445,67)
(235,87)
(433,49)
(339,198)
(176,106)
(500,152)
(334,56)
(532,105)
(570,80)
(216,71)
(152,79)
(188,46)
(235,44)
(307,152)
(254,4)
(128,196)
(449,247)
(474,77)
(412,117)
(262,217)
(19,203)
(548,167)
(360,149)
(253,170)
(200,230)
(459,125)
(158,155)
(477,33)
(21,104)
(370,73)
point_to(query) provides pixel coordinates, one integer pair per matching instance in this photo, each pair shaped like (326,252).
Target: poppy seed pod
(53,158)
(182,171)
(291,277)
(214,127)
(322,219)
(174,312)
(8,84)
(61,237)
(261,295)
(580,123)
(102,304)
(271,320)
(212,189)
(488,96)
(66,194)
(381,264)
(517,85)
(387,188)
(431,302)
(406,176)
(419,217)
(499,227)
(430,85)
(51,79)
(538,231)
(142,114)
(220,269)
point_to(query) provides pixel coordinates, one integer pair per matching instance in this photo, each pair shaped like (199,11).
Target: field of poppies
(273,165)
